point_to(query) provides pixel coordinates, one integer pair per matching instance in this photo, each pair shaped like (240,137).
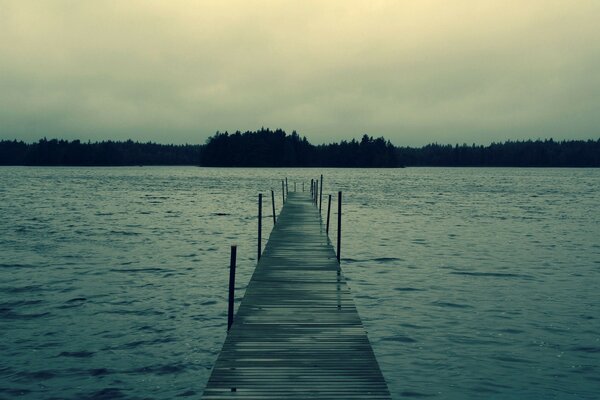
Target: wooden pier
(297,334)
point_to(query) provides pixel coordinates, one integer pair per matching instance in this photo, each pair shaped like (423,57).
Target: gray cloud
(414,71)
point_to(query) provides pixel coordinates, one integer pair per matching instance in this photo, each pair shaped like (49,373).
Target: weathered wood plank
(297,334)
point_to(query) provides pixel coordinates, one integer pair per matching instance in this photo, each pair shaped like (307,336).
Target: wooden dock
(297,334)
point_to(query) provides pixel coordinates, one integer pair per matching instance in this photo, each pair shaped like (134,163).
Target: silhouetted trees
(266,148)
(106,153)
(538,153)
(275,148)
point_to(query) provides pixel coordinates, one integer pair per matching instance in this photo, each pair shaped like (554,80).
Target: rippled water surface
(472,283)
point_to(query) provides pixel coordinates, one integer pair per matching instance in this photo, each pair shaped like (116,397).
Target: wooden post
(321,194)
(287,190)
(259,225)
(231,286)
(294,187)
(273,202)
(311,187)
(283,191)
(316,193)
(328,214)
(303,186)
(339,232)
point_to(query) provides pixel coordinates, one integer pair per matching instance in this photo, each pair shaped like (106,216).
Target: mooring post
(273,202)
(339,232)
(294,187)
(283,191)
(287,189)
(328,214)
(231,286)
(259,225)
(321,194)
(312,186)
(317,193)
(303,186)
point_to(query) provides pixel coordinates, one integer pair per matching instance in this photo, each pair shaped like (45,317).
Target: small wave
(15,392)
(161,369)
(510,330)
(149,269)
(147,312)
(587,349)
(399,338)
(511,359)
(387,259)
(408,289)
(352,260)
(451,305)
(75,302)
(17,266)
(492,274)
(416,394)
(187,393)
(19,303)
(76,299)
(124,233)
(37,376)
(21,289)
(77,354)
(99,372)
(105,394)
(138,343)
(7,313)
(186,255)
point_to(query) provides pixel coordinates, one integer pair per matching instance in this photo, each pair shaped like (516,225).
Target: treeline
(275,148)
(107,153)
(266,148)
(538,153)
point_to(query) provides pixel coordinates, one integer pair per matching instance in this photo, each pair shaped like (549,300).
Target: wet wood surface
(297,334)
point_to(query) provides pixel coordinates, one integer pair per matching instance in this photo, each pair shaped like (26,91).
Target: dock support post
(303,186)
(273,202)
(339,227)
(231,286)
(287,189)
(312,186)
(283,191)
(259,225)
(328,214)
(321,194)
(316,193)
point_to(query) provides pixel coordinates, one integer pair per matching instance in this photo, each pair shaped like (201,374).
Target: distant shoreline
(276,149)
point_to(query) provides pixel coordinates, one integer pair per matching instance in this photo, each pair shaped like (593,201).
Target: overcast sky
(420,71)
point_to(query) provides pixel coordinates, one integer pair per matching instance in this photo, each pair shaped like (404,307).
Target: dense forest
(108,153)
(276,148)
(266,148)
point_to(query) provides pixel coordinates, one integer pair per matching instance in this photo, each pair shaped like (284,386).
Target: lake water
(472,283)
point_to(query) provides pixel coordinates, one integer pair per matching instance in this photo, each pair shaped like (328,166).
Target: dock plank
(297,334)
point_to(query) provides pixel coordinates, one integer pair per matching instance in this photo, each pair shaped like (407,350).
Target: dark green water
(472,283)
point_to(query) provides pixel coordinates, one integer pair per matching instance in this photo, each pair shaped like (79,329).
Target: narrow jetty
(297,334)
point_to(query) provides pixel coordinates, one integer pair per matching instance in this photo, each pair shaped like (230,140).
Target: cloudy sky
(413,71)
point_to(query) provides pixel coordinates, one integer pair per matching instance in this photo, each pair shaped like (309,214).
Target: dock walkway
(297,334)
